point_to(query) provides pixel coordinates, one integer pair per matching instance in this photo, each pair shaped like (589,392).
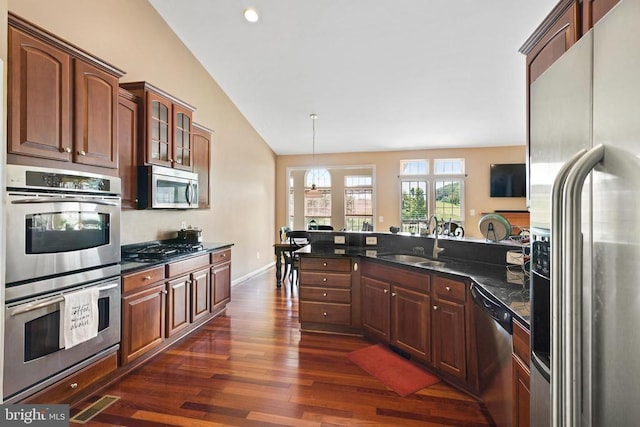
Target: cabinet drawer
(141,279)
(406,278)
(220,256)
(181,267)
(317,312)
(63,390)
(331,280)
(325,295)
(521,346)
(326,264)
(449,289)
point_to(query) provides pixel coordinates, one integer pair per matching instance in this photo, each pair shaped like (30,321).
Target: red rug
(397,373)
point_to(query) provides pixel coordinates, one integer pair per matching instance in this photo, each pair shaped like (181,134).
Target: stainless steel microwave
(160,187)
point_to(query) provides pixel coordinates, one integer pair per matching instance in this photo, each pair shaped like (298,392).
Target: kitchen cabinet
(62,102)
(128,148)
(201,149)
(327,300)
(451,335)
(594,10)
(396,308)
(521,375)
(65,390)
(178,304)
(221,286)
(188,301)
(165,127)
(200,294)
(143,313)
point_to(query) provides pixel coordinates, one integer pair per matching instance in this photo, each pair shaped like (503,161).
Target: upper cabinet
(200,152)
(62,102)
(166,132)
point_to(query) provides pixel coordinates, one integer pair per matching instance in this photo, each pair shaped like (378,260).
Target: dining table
(280,249)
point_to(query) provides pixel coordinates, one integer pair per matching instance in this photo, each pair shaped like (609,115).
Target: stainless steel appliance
(63,235)
(585,195)
(166,188)
(154,251)
(33,357)
(494,337)
(59,221)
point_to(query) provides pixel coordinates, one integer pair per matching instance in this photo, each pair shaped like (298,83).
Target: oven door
(51,234)
(32,351)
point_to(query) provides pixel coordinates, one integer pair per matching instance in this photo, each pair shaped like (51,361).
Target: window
(318,209)
(424,194)
(358,202)
(448,191)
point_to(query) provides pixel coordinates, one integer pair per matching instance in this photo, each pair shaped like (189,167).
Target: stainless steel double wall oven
(63,235)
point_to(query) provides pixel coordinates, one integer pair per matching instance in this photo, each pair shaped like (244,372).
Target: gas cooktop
(150,252)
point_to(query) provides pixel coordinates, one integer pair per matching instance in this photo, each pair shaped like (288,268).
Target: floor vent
(91,411)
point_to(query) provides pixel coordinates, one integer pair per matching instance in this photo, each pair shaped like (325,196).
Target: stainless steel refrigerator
(585,219)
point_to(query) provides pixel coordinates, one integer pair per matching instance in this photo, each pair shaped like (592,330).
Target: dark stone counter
(508,286)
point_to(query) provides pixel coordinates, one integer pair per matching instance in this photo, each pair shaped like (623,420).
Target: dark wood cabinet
(143,321)
(327,300)
(449,333)
(396,308)
(411,321)
(166,128)
(178,304)
(521,376)
(376,308)
(594,10)
(128,148)
(201,155)
(221,285)
(200,294)
(62,102)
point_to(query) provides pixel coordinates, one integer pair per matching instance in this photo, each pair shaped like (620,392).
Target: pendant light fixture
(313,193)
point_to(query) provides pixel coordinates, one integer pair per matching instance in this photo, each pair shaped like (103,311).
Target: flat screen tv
(508,180)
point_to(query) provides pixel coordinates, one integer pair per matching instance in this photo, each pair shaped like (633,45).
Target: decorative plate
(494,227)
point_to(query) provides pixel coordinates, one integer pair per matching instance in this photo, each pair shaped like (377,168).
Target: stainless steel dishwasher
(494,344)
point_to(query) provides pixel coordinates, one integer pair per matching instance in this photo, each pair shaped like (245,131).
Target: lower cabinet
(521,376)
(163,303)
(396,308)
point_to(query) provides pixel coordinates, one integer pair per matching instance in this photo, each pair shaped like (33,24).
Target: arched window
(317,207)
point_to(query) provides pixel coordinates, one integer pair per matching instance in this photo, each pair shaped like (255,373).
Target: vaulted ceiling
(380,74)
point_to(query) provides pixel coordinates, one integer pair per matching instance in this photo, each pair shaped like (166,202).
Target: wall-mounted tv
(508,180)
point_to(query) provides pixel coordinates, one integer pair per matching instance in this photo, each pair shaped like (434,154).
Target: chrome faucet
(436,248)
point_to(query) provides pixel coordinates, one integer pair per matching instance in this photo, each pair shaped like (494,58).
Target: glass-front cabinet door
(182,141)
(159,150)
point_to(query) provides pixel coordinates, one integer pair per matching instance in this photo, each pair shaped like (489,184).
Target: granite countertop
(132,266)
(508,287)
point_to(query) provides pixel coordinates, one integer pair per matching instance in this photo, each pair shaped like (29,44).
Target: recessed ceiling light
(251,15)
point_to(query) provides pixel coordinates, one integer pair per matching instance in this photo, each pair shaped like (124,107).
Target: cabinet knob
(324,294)
(324,314)
(435,307)
(324,279)
(73,385)
(171,160)
(65,149)
(147,277)
(324,264)
(224,255)
(82,153)
(393,294)
(448,288)
(164,291)
(385,291)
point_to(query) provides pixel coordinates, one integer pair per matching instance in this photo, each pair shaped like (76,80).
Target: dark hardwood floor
(253,367)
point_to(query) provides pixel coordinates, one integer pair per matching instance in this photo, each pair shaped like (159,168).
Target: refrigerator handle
(571,363)
(556,280)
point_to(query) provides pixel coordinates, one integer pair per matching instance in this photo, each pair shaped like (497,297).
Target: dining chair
(297,239)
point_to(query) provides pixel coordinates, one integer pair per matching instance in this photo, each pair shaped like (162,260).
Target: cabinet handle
(385,291)
(73,385)
(324,314)
(65,149)
(147,277)
(82,153)
(435,307)
(448,288)
(324,294)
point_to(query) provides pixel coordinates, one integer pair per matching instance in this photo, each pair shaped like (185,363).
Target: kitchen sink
(412,259)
